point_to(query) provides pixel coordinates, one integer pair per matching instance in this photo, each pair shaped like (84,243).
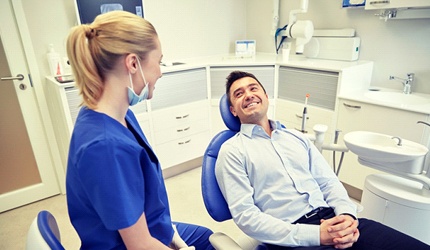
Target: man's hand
(340,231)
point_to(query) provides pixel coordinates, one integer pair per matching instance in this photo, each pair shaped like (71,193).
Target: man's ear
(233,111)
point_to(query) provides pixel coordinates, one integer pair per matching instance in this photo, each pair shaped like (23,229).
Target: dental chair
(44,233)
(212,196)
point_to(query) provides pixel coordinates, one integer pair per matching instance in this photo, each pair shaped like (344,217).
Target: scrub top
(113,176)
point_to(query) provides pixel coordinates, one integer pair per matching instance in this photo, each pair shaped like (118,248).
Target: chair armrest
(221,241)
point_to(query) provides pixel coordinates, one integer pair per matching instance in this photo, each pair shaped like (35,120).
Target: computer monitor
(87,10)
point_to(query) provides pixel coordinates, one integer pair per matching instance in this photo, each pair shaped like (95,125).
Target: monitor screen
(89,9)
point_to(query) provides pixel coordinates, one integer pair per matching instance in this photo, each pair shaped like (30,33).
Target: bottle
(54,61)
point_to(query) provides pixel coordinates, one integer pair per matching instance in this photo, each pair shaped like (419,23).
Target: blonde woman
(115,190)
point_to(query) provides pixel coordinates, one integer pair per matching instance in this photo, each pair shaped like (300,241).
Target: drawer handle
(184,142)
(380,2)
(183,130)
(182,117)
(351,106)
(299,116)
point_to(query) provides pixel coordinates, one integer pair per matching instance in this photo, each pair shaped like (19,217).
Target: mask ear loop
(141,72)
(131,80)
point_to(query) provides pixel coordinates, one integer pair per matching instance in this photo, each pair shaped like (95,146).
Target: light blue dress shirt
(270,182)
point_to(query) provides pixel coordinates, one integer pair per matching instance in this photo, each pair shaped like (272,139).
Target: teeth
(251,104)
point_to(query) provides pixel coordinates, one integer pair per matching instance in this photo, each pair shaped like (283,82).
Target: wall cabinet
(394,4)
(355,116)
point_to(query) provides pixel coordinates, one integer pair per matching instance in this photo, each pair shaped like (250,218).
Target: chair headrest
(232,122)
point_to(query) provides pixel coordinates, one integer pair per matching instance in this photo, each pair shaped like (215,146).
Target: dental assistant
(116,195)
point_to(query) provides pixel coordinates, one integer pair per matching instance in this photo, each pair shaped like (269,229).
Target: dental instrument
(305,114)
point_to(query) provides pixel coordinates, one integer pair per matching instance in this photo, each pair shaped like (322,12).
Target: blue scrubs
(113,176)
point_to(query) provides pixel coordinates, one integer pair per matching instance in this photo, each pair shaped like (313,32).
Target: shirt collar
(249,129)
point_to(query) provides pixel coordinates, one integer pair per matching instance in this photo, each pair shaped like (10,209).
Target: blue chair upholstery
(213,199)
(212,196)
(44,233)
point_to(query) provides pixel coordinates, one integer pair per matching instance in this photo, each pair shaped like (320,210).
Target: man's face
(249,102)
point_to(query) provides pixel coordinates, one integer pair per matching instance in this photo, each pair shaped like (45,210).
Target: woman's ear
(131,63)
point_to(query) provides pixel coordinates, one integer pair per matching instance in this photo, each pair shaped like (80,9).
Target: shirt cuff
(307,235)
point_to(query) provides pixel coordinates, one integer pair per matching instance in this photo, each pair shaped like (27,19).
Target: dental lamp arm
(302,31)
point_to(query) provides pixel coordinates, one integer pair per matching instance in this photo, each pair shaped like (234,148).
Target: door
(26,169)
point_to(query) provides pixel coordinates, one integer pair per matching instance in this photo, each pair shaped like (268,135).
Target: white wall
(194,28)
(396,47)
(187,28)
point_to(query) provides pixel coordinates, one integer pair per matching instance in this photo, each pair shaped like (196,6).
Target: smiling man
(281,191)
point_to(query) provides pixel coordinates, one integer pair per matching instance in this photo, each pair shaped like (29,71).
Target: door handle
(19,77)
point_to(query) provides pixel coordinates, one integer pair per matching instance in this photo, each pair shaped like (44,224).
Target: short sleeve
(112,177)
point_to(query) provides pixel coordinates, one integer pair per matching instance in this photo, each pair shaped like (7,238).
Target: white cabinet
(385,197)
(322,86)
(63,104)
(180,117)
(354,116)
(394,4)
(181,133)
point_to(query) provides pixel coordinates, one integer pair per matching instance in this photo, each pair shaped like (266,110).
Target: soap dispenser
(54,60)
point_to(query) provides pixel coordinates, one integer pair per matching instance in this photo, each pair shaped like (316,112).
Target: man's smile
(252,104)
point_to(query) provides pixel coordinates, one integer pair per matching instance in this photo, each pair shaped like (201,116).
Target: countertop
(271,59)
(360,96)
(261,59)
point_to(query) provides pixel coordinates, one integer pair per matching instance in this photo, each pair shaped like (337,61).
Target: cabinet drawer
(180,116)
(182,150)
(183,131)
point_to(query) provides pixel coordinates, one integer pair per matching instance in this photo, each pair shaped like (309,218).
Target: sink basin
(397,97)
(383,152)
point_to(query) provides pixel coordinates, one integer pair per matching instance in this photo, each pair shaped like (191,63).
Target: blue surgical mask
(133,98)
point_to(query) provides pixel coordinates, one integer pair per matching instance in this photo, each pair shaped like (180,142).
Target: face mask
(133,98)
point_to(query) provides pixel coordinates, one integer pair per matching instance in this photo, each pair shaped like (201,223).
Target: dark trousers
(373,236)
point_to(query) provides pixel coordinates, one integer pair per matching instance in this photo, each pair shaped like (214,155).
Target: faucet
(407,83)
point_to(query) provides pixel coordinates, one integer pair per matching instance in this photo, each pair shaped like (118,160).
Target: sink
(397,97)
(383,152)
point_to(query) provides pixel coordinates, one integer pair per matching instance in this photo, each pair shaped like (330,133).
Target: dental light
(300,30)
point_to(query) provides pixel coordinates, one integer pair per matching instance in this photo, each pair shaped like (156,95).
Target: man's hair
(234,76)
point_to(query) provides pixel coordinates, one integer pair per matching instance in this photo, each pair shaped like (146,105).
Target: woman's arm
(138,236)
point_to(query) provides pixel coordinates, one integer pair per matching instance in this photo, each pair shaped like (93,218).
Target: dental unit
(300,30)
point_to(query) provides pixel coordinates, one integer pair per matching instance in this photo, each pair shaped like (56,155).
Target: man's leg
(374,235)
(195,235)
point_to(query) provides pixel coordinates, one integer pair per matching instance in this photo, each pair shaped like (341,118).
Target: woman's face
(151,69)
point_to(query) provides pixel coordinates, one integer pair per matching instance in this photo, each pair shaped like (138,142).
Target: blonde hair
(94,49)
